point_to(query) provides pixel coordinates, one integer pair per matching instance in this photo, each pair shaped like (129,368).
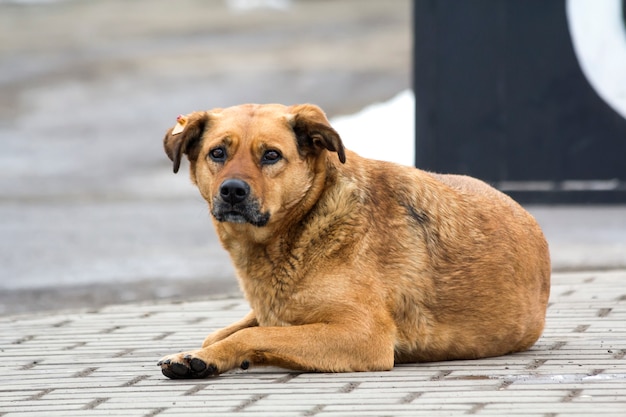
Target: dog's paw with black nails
(186,366)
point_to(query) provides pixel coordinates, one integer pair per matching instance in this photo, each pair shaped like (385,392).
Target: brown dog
(351,264)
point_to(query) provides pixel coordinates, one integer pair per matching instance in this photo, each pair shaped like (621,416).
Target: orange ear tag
(181,121)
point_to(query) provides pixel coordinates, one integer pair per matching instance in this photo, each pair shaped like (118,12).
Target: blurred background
(91,214)
(528,95)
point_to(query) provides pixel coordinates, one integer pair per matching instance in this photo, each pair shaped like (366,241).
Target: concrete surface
(584,237)
(103,362)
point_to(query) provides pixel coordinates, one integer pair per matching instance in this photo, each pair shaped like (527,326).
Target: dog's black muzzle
(235,204)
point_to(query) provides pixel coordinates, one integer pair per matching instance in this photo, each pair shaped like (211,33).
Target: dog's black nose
(234,191)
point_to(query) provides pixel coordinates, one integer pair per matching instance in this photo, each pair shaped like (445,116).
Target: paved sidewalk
(103,362)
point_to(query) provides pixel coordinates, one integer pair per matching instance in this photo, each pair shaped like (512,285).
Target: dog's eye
(218,154)
(270,157)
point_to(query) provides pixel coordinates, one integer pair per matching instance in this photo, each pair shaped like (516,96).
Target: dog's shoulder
(387,190)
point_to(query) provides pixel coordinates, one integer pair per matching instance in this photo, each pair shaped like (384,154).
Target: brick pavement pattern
(103,362)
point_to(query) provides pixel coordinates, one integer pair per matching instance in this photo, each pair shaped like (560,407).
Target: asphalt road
(90,212)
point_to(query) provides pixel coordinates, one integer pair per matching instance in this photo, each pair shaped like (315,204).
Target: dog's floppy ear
(184,137)
(313,131)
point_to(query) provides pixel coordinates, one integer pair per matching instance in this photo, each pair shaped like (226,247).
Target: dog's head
(254,163)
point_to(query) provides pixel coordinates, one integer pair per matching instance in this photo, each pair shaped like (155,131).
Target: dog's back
(475,278)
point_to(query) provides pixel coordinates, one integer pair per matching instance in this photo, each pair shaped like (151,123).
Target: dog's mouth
(232,217)
(239,213)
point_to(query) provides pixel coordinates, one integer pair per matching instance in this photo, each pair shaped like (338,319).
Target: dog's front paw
(186,365)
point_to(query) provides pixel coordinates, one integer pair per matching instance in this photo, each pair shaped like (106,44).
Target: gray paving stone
(103,363)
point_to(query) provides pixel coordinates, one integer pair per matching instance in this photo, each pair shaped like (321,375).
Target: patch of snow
(249,5)
(383,131)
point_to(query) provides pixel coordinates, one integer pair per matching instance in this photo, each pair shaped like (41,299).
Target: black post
(500,96)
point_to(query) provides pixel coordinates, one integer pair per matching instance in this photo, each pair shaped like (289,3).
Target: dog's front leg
(248,321)
(311,347)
